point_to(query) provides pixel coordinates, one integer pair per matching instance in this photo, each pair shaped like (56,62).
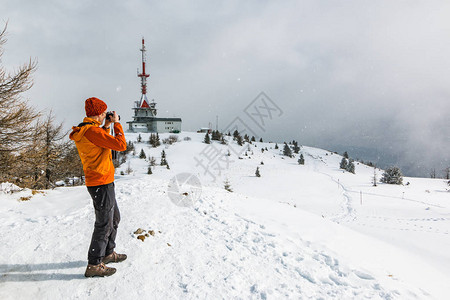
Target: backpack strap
(85,123)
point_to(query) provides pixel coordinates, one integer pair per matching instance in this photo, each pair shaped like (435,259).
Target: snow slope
(295,232)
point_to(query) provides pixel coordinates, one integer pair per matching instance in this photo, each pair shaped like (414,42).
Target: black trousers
(107,218)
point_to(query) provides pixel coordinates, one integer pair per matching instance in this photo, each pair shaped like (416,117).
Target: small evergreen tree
(343,164)
(253,139)
(257,172)
(163,158)
(207,140)
(296,147)
(392,175)
(152,161)
(287,151)
(154,140)
(351,166)
(235,134)
(301,160)
(345,155)
(216,135)
(151,140)
(239,140)
(246,138)
(276,146)
(149,170)
(260,140)
(139,138)
(374,179)
(142,154)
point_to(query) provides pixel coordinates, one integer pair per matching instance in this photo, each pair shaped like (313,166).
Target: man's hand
(114,118)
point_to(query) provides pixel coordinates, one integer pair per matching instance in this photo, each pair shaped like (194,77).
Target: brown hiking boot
(99,270)
(114,257)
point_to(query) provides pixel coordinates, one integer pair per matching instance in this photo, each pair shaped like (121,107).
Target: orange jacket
(94,146)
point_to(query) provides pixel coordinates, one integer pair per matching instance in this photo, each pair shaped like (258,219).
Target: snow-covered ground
(299,231)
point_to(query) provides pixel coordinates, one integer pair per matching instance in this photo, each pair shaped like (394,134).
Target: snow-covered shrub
(392,175)
(227,186)
(9,188)
(170,140)
(129,169)
(187,138)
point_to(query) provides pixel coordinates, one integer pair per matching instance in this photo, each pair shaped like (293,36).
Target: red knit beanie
(94,107)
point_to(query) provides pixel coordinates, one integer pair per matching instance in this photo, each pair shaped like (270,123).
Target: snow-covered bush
(392,175)
(9,188)
(227,186)
(170,140)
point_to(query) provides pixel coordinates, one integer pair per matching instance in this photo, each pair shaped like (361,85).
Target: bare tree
(47,157)
(433,173)
(16,116)
(53,149)
(447,173)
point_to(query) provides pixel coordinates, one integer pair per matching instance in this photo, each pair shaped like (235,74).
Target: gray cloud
(358,73)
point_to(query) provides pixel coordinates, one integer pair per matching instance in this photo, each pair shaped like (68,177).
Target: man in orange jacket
(94,144)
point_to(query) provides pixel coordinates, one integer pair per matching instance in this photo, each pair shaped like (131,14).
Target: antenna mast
(143,75)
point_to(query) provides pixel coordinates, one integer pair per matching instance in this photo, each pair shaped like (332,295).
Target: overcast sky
(372,74)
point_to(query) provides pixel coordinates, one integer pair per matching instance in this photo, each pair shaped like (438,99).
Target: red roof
(144,103)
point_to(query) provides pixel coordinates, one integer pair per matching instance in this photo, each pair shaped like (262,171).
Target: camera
(110,114)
